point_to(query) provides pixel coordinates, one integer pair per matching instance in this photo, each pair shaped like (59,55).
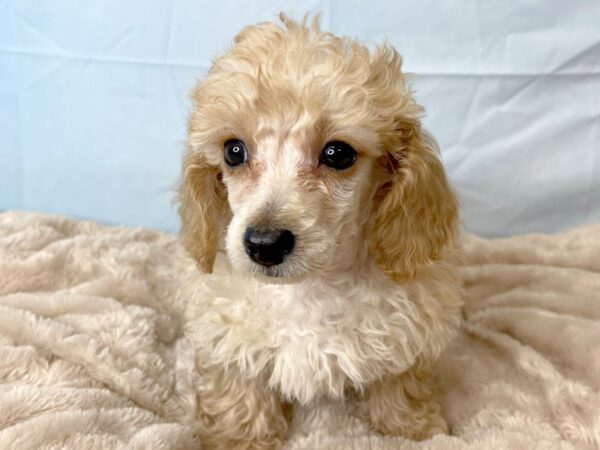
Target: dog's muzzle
(268,247)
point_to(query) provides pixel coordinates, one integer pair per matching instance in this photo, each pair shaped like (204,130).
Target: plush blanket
(92,354)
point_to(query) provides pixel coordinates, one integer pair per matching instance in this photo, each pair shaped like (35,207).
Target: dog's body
(338,277)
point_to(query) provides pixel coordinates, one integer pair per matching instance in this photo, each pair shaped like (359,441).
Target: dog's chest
(315,340)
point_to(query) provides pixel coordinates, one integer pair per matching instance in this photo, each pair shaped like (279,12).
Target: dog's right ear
(203,208)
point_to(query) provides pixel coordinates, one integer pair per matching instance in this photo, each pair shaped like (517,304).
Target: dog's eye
(235,153)
(338,155)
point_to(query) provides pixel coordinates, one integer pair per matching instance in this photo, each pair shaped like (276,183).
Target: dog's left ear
(416,212)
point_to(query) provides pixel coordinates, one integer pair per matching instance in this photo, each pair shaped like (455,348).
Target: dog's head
(305,149)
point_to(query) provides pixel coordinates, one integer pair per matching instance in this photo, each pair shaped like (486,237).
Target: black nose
(269,247)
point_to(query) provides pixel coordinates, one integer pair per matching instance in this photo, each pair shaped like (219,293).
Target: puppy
(318,203)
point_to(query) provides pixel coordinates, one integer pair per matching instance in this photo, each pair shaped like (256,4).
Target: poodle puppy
(319,207)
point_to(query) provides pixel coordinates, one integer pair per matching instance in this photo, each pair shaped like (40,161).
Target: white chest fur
(322,335)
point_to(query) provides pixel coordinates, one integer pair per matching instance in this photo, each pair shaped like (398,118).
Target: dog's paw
(414,430)
(419,422)
(424,431)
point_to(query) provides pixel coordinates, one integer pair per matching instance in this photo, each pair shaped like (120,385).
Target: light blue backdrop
(93,100)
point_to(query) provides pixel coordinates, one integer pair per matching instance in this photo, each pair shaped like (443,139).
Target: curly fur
(369,297)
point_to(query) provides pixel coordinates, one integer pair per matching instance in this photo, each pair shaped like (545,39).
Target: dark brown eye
(235,152)
(338,155)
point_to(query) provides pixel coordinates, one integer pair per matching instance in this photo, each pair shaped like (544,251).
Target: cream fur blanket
(91,352)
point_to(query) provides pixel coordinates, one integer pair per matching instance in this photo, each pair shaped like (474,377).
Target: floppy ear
(417,212)
(203,209)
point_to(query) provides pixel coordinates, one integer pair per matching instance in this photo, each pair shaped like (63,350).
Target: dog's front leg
(238,413)
(404,405)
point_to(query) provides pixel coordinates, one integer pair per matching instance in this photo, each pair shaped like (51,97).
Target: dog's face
(304,149)
(294,196)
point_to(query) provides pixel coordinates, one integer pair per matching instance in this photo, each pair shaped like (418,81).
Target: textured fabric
(92,356)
